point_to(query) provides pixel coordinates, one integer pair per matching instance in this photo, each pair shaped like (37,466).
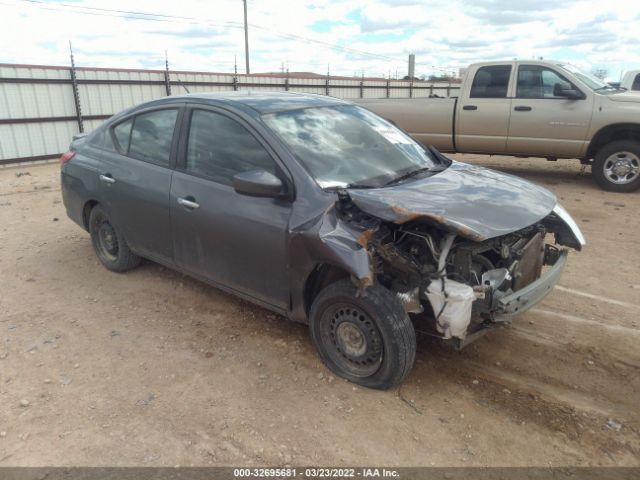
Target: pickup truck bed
(440,112)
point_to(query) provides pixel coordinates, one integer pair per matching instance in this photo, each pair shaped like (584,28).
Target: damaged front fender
(344,249)
(326,239)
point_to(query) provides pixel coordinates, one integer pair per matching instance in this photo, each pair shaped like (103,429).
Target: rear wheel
(369,340)
(109,244)
(616,167)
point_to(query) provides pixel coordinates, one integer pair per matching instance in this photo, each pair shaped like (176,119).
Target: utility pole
(246,38)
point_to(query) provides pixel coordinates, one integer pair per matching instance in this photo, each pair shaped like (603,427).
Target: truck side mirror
(567,91)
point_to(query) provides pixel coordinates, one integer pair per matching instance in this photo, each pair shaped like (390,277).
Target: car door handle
(189,203)
(470,107)
(107,178)
(522,108)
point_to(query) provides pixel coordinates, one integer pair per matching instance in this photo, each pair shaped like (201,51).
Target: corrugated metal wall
(38,114)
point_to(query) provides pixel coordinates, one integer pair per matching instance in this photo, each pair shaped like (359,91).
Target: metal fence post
(235,73)
(411,89)
(362,87)
(326,84)
(167,82)
(388,87)
(76,92)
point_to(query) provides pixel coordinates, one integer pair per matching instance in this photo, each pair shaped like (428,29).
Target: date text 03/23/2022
(315,473)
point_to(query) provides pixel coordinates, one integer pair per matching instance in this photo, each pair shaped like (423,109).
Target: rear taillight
(67,156)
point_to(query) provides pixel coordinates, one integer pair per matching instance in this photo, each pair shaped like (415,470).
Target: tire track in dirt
(580,416)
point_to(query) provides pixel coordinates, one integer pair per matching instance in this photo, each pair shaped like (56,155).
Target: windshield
(347,145)
(591,81)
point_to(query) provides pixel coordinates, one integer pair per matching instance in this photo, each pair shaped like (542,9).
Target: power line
(146,16)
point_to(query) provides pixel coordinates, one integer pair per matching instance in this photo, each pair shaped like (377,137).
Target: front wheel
(367,339)
(616,167)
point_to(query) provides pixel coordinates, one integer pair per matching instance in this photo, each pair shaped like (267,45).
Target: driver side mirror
(258,183)
(567,91)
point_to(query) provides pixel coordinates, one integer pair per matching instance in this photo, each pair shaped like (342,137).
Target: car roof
(259,101)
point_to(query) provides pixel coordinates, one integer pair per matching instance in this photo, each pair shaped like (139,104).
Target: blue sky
(349,37)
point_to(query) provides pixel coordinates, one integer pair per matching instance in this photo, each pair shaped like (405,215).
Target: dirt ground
(153,368)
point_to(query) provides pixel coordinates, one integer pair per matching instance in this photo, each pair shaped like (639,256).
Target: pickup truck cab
(631,81)
(531,109)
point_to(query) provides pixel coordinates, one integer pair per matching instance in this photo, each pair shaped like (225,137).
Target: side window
(636,83)
(491,82)
(151,136)
(539,82)
(122,132)
(219,148)
(147,136)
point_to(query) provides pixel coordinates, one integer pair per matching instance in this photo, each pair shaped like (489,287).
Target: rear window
(636,83)
(491,82)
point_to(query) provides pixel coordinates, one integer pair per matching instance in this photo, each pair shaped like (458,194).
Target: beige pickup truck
(531,109)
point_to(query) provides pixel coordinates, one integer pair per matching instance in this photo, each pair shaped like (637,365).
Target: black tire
(109,244)
(341,322)
(627,152)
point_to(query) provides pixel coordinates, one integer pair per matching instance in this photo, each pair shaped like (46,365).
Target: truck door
(482,119)
(543,122)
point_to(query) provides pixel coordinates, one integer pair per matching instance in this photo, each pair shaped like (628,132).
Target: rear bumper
(72,199)
(518,302)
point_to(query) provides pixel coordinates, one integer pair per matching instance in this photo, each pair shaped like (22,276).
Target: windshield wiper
(606,87)
(410,174)
(361,185)
(355,185)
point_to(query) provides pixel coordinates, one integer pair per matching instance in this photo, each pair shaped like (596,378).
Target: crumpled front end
(455,282)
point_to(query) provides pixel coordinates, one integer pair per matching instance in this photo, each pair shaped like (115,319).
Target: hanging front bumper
(522,300)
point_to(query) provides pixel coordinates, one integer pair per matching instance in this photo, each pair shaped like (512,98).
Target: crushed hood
(470,201)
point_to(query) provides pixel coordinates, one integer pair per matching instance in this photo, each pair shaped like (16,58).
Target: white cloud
(590,33)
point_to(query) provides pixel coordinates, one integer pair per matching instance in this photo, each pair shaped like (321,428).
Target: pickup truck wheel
(616,167)
(109,244)
(367,339)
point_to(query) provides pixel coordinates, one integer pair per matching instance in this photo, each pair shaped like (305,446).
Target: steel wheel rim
(107,241)
(622,168)
(352,340)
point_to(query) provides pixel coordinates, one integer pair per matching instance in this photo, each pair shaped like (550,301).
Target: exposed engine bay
(455,284)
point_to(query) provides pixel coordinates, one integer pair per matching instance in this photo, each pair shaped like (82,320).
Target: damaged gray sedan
(323,212)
